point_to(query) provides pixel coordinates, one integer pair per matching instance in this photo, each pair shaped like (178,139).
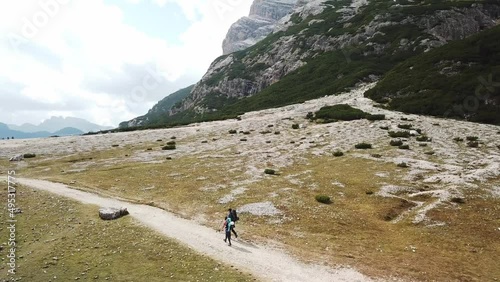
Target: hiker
(234,217)
(226,226)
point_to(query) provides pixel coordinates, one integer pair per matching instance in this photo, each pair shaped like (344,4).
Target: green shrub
(149,149)
(204,142)
(473,144)
(363,146)
(29,156)
(246,133)
(430,153)
(173,137)
(171,143)
(472,138)
(403,165)
(458,200)
(233,131)
(323,199)
(339,112)
(405,126)
(269,171)
(396,142)
(338,153)
(422,144)
(310,115)
(399,134)
(375,117)
(277,133)
(243,139)
(384,127)
(458,139)
(377,156)
(404,147)
(115,145)
(159,140)
(295,126)
(168,147)
(423,138)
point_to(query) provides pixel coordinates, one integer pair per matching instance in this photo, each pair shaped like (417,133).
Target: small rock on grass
(112,213)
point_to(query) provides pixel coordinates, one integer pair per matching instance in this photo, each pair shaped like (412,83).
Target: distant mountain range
(7,133)
(55,126)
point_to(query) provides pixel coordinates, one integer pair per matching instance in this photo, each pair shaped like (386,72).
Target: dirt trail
(265,263)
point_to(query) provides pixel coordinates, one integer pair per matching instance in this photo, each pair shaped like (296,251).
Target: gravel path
(264,263)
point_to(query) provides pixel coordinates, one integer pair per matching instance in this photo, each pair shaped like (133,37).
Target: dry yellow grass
(62,240)
(352,230)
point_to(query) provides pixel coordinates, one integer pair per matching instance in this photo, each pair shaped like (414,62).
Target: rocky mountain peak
(264,14)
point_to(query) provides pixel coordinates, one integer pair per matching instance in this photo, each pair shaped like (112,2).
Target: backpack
(234,215)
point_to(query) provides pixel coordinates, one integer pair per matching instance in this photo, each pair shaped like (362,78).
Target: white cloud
(51,49)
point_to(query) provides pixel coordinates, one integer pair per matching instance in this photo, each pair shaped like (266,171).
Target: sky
(106,61)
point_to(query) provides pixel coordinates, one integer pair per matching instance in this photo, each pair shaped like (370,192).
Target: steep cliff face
(264,14)
(361,30)
(323,47)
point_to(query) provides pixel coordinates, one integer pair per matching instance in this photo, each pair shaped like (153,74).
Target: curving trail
(264,263)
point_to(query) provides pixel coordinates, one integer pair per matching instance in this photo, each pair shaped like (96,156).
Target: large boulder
(17,158)
(112,213)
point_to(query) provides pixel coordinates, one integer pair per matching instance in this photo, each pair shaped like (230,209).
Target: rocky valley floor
(427,213)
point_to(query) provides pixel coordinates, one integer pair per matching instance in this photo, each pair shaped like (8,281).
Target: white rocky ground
(452,170)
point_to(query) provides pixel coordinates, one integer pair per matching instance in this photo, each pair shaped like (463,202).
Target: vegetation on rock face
(458,80)
(158,114)
(437,82)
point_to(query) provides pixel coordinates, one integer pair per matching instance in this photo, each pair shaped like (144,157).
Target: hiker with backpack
(226,226)
(234,217)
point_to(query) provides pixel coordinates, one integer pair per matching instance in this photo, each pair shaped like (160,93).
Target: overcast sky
(104,60)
